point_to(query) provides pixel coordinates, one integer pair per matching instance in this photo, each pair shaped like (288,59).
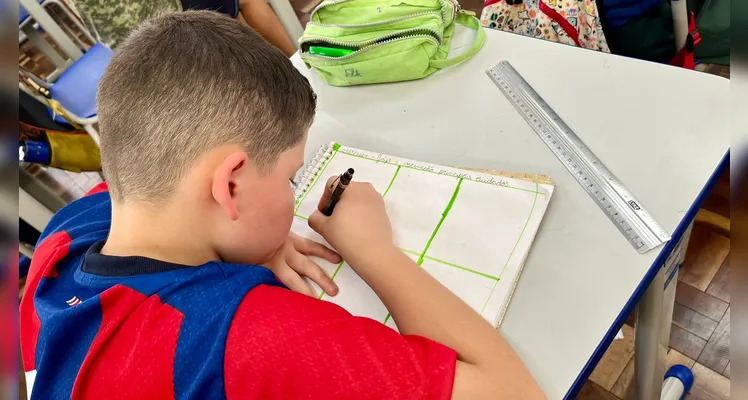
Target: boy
(203,124)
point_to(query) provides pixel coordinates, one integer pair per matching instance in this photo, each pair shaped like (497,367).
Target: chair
(75,90)
(22,15)
(23,19)
(30,30)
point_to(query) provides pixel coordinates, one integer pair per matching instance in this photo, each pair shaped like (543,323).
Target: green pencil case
(385,41)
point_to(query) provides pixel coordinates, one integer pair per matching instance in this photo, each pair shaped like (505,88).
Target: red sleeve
(101,187)
(282,344)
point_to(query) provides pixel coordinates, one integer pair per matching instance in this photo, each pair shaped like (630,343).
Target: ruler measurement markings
(611,196)
(573,167)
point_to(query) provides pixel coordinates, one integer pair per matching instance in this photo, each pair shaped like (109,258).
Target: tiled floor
(700,332)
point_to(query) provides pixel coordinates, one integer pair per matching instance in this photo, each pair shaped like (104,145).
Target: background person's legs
(259,15)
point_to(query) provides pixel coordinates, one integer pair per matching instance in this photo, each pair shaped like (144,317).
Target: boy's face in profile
(265,204)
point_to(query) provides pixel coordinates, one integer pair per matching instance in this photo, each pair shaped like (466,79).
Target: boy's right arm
(360,231)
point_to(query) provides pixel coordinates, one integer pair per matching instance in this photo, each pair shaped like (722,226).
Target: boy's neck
(165,234)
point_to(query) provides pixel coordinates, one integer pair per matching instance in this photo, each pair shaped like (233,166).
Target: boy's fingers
(308,268)
(329,186)
(290,278)
(312,248)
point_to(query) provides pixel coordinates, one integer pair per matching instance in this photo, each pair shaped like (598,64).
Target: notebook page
(469,230)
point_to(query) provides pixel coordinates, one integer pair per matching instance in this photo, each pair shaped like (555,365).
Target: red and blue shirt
(104,327)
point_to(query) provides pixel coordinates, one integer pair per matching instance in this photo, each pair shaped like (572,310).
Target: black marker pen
(343,181)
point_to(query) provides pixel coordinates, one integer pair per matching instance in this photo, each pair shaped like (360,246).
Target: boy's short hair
(184,83)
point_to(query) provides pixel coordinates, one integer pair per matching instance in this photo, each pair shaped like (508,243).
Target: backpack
(357,42)
(572,22)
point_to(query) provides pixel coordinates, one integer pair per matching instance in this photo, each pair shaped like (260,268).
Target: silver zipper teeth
(332,3)
(365,49)
(456,9)
(389,21)
(373,41)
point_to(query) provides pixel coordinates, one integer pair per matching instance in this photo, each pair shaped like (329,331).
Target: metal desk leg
(654,316)
(40,43)
(649,362)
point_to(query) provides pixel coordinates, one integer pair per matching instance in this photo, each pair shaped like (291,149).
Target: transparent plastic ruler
(617,202)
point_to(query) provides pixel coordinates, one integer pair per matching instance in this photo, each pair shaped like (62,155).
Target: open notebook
(471,231)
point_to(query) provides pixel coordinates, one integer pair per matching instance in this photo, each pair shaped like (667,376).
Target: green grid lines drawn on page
(441,221)
(316,178)
(436,230)
(527,222)
(436,173)
(391,181)
(415,253)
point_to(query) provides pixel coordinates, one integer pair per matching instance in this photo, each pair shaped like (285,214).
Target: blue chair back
(76,88)
(22,15)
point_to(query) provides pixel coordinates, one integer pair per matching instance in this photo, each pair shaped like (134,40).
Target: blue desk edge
(644,284)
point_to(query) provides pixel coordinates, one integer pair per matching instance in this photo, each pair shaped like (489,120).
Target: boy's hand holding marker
(359,228)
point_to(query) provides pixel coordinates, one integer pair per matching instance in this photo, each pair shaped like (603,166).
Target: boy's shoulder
(85,314)
(90,214)
(214,331)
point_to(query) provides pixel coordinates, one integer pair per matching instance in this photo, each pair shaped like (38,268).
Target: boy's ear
(224,185)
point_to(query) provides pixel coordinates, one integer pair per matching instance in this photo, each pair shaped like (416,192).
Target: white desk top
(661,130)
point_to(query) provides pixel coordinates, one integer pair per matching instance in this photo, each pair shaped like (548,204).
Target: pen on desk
(343,181)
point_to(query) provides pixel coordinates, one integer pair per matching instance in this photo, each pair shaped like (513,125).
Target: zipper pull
(456,8)
(459,10)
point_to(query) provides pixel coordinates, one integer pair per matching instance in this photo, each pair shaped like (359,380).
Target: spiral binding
(312,169)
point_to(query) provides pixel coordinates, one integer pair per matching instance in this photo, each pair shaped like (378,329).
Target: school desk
(661,130)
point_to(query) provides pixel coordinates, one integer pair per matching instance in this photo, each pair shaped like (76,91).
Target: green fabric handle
(472,23)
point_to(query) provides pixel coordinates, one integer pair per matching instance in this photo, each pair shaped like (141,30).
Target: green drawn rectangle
(527,222)
(423,255)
